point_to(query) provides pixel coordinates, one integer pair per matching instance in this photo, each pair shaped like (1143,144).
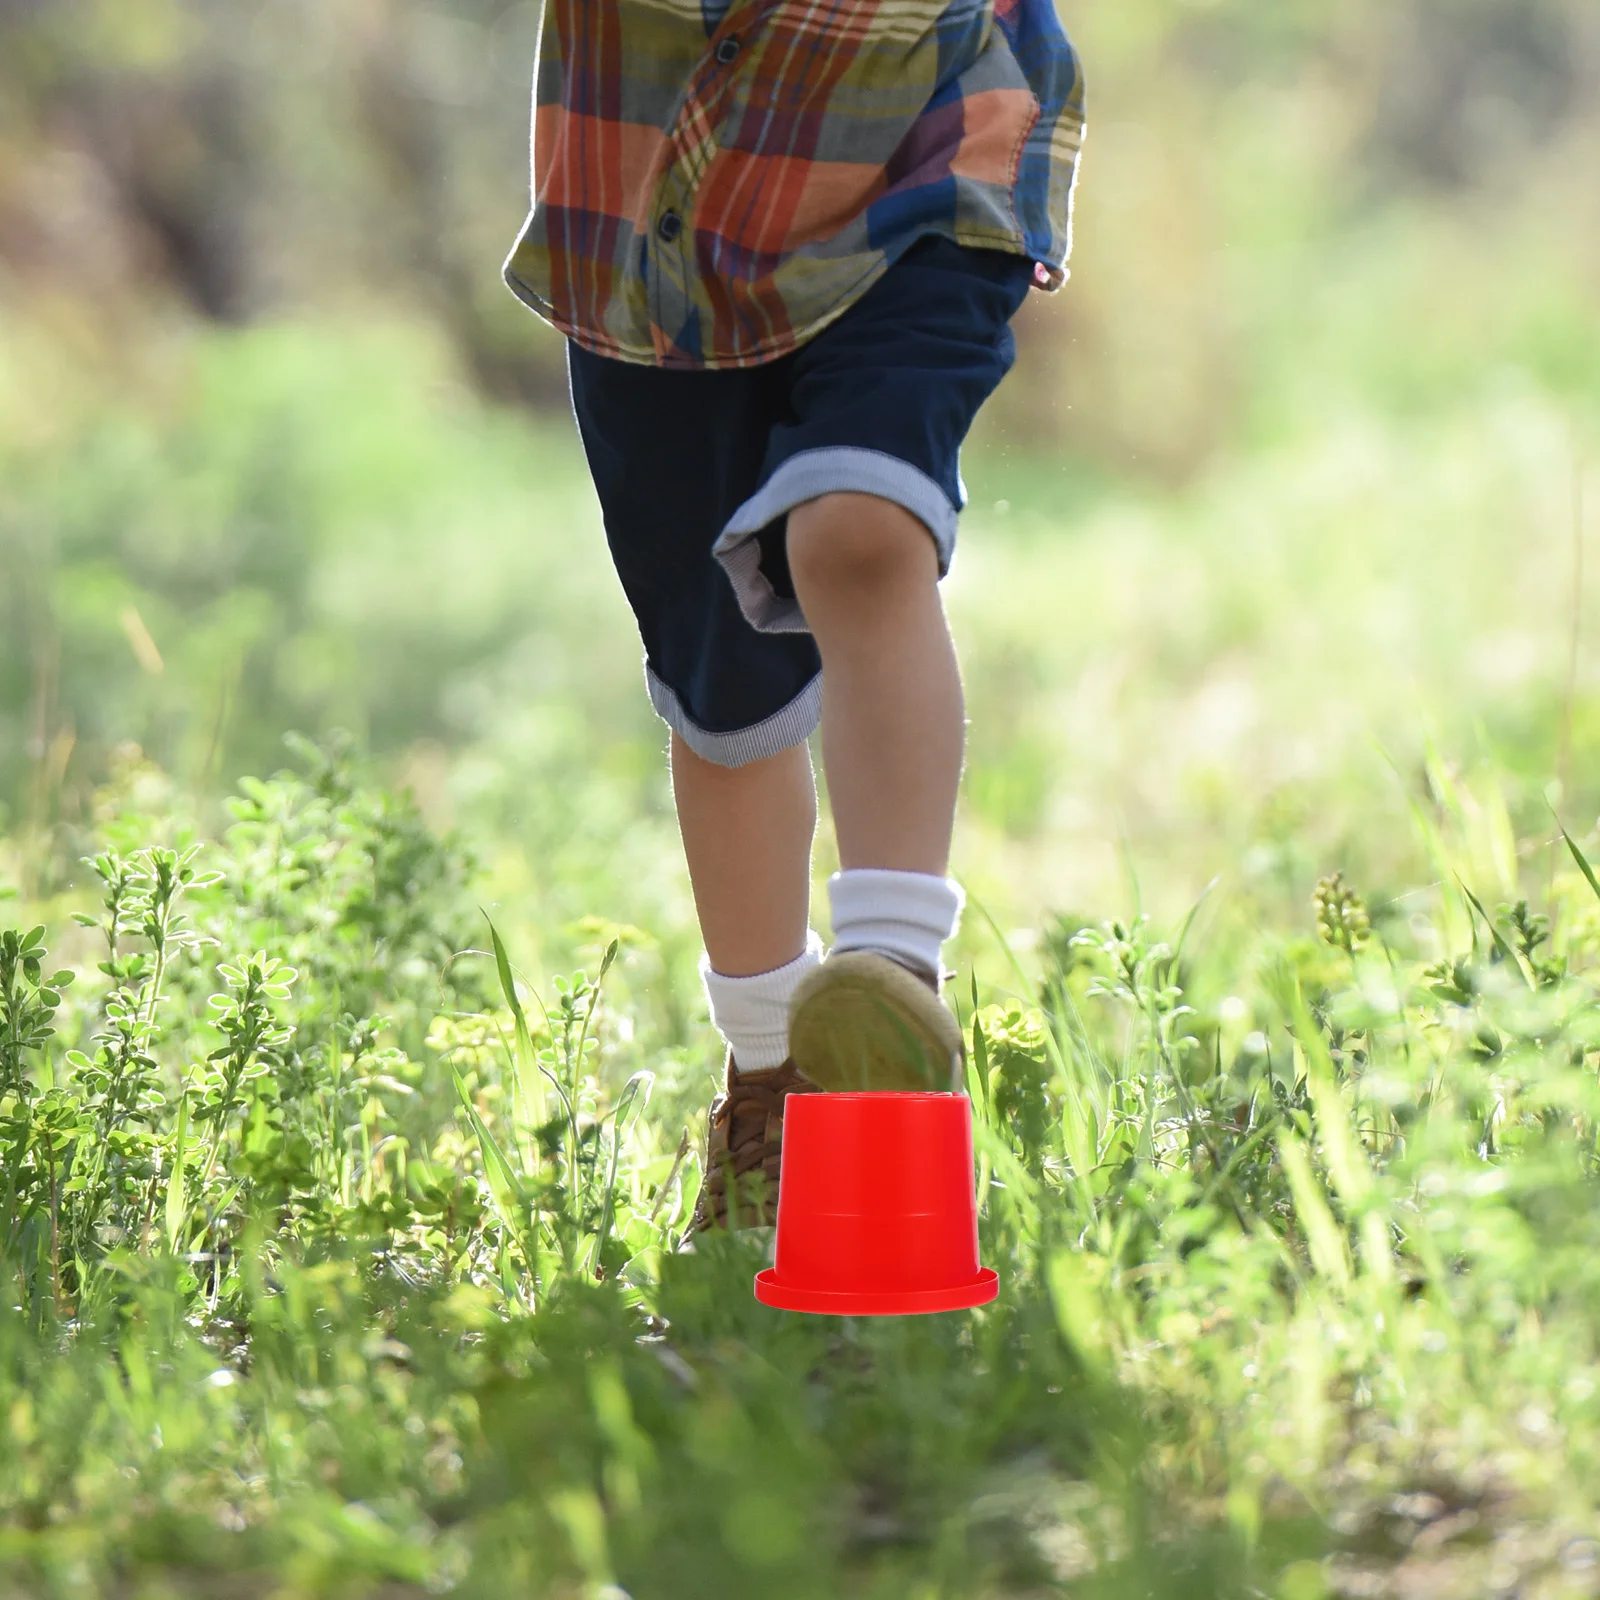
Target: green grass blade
(1075,1112)
(530,1081)
(1348,1164)
(978,1095)
(635,1096)
(1507,954)
(1077,1297)
(1583,865)
(177,1190)
(978,1071)
(502,1178)
(589,1010)
(1324,1241)
(1188,921)
(1022,1190)
(1457,919)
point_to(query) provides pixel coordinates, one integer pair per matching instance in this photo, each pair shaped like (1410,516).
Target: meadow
(353,1061)
(352,1118)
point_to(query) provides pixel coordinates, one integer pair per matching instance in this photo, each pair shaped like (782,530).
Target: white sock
(752,1014)
(907,915)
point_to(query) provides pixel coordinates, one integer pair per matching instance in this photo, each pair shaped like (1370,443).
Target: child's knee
(847,541)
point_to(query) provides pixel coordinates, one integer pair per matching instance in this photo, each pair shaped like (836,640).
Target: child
(785,240)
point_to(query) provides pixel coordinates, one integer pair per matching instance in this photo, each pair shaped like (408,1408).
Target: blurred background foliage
(1294,462)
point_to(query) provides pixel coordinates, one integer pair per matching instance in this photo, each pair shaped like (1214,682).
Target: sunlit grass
(371,1275)
(1291,1199)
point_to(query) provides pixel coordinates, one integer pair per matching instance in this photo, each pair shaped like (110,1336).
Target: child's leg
(866,572)
(747,835)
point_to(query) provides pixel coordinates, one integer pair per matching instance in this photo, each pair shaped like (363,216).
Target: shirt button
(727,50)
(670,225)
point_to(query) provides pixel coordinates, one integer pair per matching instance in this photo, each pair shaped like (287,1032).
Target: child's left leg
(866,574)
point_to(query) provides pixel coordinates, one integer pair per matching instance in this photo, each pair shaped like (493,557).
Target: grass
(343,1176)
(360,1275)
(350,1111)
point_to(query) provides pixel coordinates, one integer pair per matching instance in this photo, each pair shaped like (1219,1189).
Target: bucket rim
(771,1291)
(880,1096)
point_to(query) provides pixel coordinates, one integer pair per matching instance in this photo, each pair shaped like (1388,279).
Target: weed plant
(341,1256)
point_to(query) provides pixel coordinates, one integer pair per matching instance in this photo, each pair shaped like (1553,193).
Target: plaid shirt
(714,181)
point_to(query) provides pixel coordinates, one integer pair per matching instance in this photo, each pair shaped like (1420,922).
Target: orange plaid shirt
(714,181)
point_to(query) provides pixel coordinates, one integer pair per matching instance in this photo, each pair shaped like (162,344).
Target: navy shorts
(696,473)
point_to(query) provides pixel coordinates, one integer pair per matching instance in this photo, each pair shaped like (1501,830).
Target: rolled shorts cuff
(792,724)
(802,477)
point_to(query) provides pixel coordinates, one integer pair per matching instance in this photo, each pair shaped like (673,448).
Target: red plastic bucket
(877,1214)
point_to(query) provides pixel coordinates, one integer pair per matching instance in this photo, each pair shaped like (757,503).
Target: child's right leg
(747,834)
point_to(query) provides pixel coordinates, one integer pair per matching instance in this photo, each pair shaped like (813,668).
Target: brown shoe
(863,1022)
(745,1137)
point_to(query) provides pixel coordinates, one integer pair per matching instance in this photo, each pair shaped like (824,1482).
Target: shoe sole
(861,1023)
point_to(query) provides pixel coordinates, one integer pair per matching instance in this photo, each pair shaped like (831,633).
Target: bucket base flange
(876,1302)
